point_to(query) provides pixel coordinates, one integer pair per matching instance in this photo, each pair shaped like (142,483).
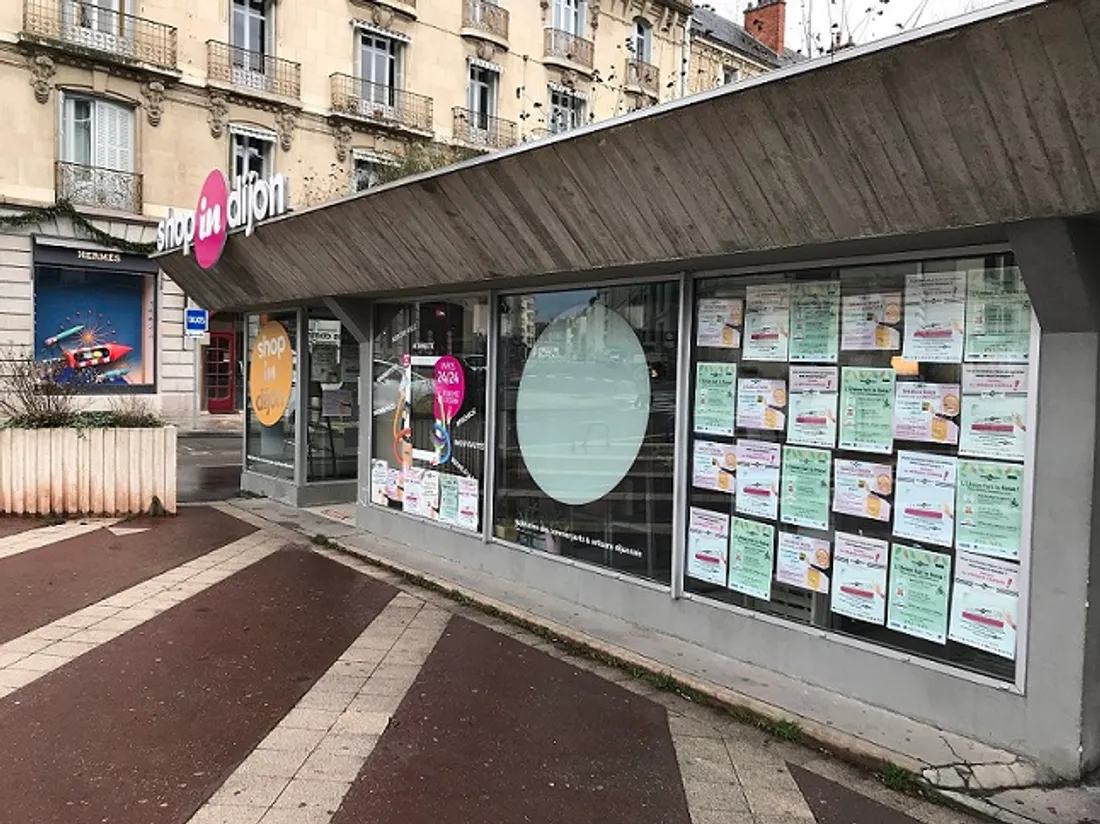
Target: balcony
(482,131)
(403,7)
(381,104)
(643,78)
(98,188)
(485,20)
(89,30)
(569,51)
(252,72)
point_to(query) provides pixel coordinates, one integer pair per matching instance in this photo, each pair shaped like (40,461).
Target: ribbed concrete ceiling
(986,123)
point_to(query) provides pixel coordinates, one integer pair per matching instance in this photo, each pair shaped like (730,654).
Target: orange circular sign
(270,373)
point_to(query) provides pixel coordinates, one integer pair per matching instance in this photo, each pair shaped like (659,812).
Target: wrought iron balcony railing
(98,187)
(87,27)
(253,71)
(567,46)
(380,103)
(644,76)
(485,16)
(479,129)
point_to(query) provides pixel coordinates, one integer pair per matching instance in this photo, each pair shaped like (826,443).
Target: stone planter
(87,471)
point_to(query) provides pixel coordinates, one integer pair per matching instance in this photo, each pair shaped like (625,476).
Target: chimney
(766,21)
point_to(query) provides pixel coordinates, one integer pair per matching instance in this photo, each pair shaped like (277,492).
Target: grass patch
(900,779)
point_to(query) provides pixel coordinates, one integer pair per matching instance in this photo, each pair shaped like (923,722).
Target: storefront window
(429,409)
(270,442)
(332,445)
(858,452)
(586,421)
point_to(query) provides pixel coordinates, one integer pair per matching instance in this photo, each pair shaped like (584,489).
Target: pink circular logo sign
(450,388)
(212,219)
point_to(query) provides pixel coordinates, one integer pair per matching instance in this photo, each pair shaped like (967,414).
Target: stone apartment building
(122,107)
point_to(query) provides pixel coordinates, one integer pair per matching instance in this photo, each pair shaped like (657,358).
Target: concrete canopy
(992,120)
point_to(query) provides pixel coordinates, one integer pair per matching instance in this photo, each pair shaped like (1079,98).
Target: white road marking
(46,535)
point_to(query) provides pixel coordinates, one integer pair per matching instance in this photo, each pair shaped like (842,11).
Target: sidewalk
(983,779)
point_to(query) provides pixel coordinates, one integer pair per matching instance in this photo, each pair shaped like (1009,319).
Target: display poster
(752,556)
(935,312)
(719,323)
(378,471)
(990,508)
(919,584)
(859,578)
(804,497)
(758,478)
(349,363)
(927,412)
(924,509)
(448,499)
(469,499)
(811,419)
(714,466)
(802,561)
(860,489)
(815,322)
(336,403)
(429,490)
(867,409)
(984,605)
(994,412)
(323,363)
(760,403)
(767,322)
(998,317)
(393,484)
(413,501)
(714,397)
(708,545)
(869,322)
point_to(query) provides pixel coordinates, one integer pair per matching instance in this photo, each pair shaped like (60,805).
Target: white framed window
(567,111)
(251,151)
(368,170)
(97,133)
(569,16)
(642,40)
(380,66)
(252,34)
(107,17)
(481,95)
(730,74)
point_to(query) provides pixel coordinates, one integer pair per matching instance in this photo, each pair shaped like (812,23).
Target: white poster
(758,478)
(927,412)
(861,488)
(414,491)
(767,322)
(379,470)
(859,578)
(429,491)
(802,561)
(714,466)
(925,504)
(935,313)
(811,417)
(469,495)
(760,403)
(869,322)
(708,546)
(994,412)
(985,604)
(719,323)
(998,317)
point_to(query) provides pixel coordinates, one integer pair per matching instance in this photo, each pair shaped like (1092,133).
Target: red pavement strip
(833,803)
(44,584)
(494,731)
(145,728)
(13,526)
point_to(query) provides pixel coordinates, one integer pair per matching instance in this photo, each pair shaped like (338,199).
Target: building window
(642,41)
(481,96)
(97,133)
(569,16)
(730,74)
(380,67)
(103,16)
(253,152)
(251,34)
(566,111)
(368,170)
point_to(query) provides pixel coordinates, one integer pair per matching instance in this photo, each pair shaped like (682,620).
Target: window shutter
(125,119)
(102,125)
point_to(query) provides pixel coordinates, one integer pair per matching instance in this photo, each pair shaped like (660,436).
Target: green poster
(448,499)
(752,556)
(714,397)
(989,508)
(815,322)
(998,317)
(919,583)
(867,409)
(804,496)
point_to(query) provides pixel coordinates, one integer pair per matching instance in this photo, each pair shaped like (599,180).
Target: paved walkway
(211,669)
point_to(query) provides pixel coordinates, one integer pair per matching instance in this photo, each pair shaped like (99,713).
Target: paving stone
(358,745)
(331,766)
(387,704)
(242,790)
(310,719)
(307,794)
(682,725)
(346,684)
(292,739)
(356,722)
(273,763)
(334,701)
(716,795)
(218,814)
(41,662)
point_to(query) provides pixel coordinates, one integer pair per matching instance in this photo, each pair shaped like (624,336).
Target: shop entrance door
(221,372)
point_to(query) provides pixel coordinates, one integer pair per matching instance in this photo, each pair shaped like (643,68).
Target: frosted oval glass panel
(583,404)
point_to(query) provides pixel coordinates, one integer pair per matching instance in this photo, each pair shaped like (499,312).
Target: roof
(710,25)
(992,119)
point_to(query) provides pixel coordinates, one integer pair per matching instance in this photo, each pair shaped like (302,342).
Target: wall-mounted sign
(195,322)
(270,373)
(221,209)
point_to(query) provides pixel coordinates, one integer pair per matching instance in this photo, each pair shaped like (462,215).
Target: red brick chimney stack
(766,20)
